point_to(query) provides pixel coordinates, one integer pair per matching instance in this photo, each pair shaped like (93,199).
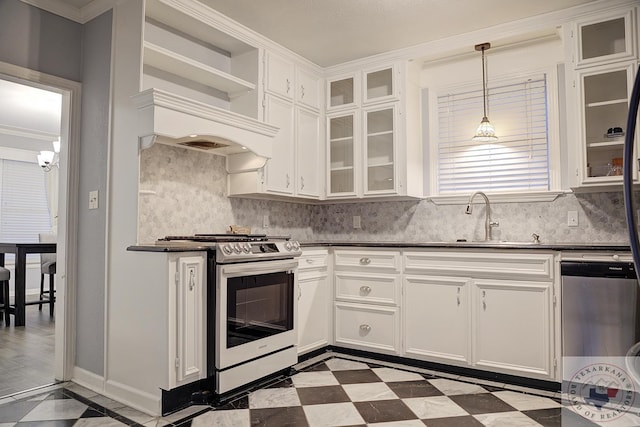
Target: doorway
(29,124)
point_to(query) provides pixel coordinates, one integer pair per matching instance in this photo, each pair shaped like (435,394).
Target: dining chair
(47,266)
(5,275)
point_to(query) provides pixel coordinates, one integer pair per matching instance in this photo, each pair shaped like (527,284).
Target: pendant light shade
(485,132)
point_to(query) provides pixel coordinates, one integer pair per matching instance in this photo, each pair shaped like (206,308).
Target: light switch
(356,221)
(572,218)
(93,199)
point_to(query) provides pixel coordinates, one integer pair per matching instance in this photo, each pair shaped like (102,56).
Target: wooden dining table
(20,276)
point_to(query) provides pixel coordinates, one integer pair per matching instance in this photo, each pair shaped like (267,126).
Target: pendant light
(485,132)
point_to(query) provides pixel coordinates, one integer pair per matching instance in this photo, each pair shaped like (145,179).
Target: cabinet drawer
(368,326)
(376,289)
(367,260)
(491,264)
(313,259)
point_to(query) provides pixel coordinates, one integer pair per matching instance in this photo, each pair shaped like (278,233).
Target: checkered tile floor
(334,392)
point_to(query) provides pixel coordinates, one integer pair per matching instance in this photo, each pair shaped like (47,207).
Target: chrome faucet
(487,222)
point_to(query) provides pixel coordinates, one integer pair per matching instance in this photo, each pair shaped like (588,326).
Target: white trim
(27,133)
(88,379)
(80,15)
(68,207)
(463,199)
(134,398)
(18,154)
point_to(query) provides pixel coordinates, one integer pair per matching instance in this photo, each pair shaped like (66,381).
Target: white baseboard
(93,382)
(137,399)
(145,402)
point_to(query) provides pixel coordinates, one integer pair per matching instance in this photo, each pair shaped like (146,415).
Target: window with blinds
(23,202)
(518,161)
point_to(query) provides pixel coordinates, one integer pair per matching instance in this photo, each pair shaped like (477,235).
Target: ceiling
(330,32)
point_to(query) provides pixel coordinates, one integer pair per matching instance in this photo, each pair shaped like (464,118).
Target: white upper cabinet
(341,92)
(279,75)
(308,89)
(291,102)
(373,133)
(603,51)
(378,85)
(606,38)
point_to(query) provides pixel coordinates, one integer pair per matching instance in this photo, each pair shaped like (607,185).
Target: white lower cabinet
(188,331)
(314,300)
(488,310)
(367,286)
(512,327)
(437,318)
(369,327)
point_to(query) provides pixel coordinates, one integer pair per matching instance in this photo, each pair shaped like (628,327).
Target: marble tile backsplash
(183,192)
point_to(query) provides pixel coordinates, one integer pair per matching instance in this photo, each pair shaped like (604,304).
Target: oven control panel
(247,251)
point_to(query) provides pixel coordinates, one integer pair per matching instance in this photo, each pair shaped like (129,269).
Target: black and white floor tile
(333,392)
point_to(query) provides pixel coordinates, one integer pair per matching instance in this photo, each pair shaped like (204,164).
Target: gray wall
(96,66)
(39,40)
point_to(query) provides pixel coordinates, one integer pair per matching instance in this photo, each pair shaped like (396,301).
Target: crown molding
(80,15)
(27,133)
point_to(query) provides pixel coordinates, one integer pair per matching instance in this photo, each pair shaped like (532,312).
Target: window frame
(554,140)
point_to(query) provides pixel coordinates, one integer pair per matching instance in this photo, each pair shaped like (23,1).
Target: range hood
(171,119)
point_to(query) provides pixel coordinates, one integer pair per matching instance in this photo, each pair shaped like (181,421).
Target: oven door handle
(255,268)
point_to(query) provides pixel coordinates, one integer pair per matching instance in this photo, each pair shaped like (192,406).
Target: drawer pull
(365,289)
(365,261)
(365,328)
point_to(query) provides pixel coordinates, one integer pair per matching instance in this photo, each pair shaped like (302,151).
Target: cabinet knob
(288,181)
(302,182)
(365,289)
(365,261)
(309,261)
(458,300)
(365,328)
(288,85)
(301,91)
(616,257)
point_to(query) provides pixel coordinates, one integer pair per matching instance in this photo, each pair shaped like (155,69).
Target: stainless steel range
(251,319)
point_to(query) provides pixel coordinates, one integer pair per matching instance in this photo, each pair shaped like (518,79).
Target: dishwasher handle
(624,270)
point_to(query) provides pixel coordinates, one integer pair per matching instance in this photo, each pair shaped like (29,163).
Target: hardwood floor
(27,352)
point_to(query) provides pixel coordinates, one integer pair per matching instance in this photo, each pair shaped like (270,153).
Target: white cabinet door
(279,168)
(307,89)
(314,312)
(436,318)
(279,79)
(309,151)
(190,319)
(512,330)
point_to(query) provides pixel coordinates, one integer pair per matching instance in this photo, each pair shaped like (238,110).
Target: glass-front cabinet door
(605,39)
(341,92)
(342,155)
(605,104)
(379,150)
(378,85)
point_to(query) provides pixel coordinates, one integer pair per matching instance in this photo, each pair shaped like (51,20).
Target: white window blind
(517,161)
(23,202)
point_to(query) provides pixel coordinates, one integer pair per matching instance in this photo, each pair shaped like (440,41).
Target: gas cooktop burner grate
(226,238)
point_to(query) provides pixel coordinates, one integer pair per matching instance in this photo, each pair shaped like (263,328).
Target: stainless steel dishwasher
(599,308)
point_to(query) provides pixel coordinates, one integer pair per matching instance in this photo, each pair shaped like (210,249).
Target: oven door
(256,310)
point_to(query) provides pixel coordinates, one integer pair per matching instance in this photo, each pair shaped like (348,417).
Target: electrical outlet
(93,199)
(572,218)
(356,221)
(265,221)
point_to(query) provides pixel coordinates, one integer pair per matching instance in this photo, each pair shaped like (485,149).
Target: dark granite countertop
(197,247)
(616,246)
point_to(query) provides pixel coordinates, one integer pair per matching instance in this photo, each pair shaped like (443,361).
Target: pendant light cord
(484,85)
